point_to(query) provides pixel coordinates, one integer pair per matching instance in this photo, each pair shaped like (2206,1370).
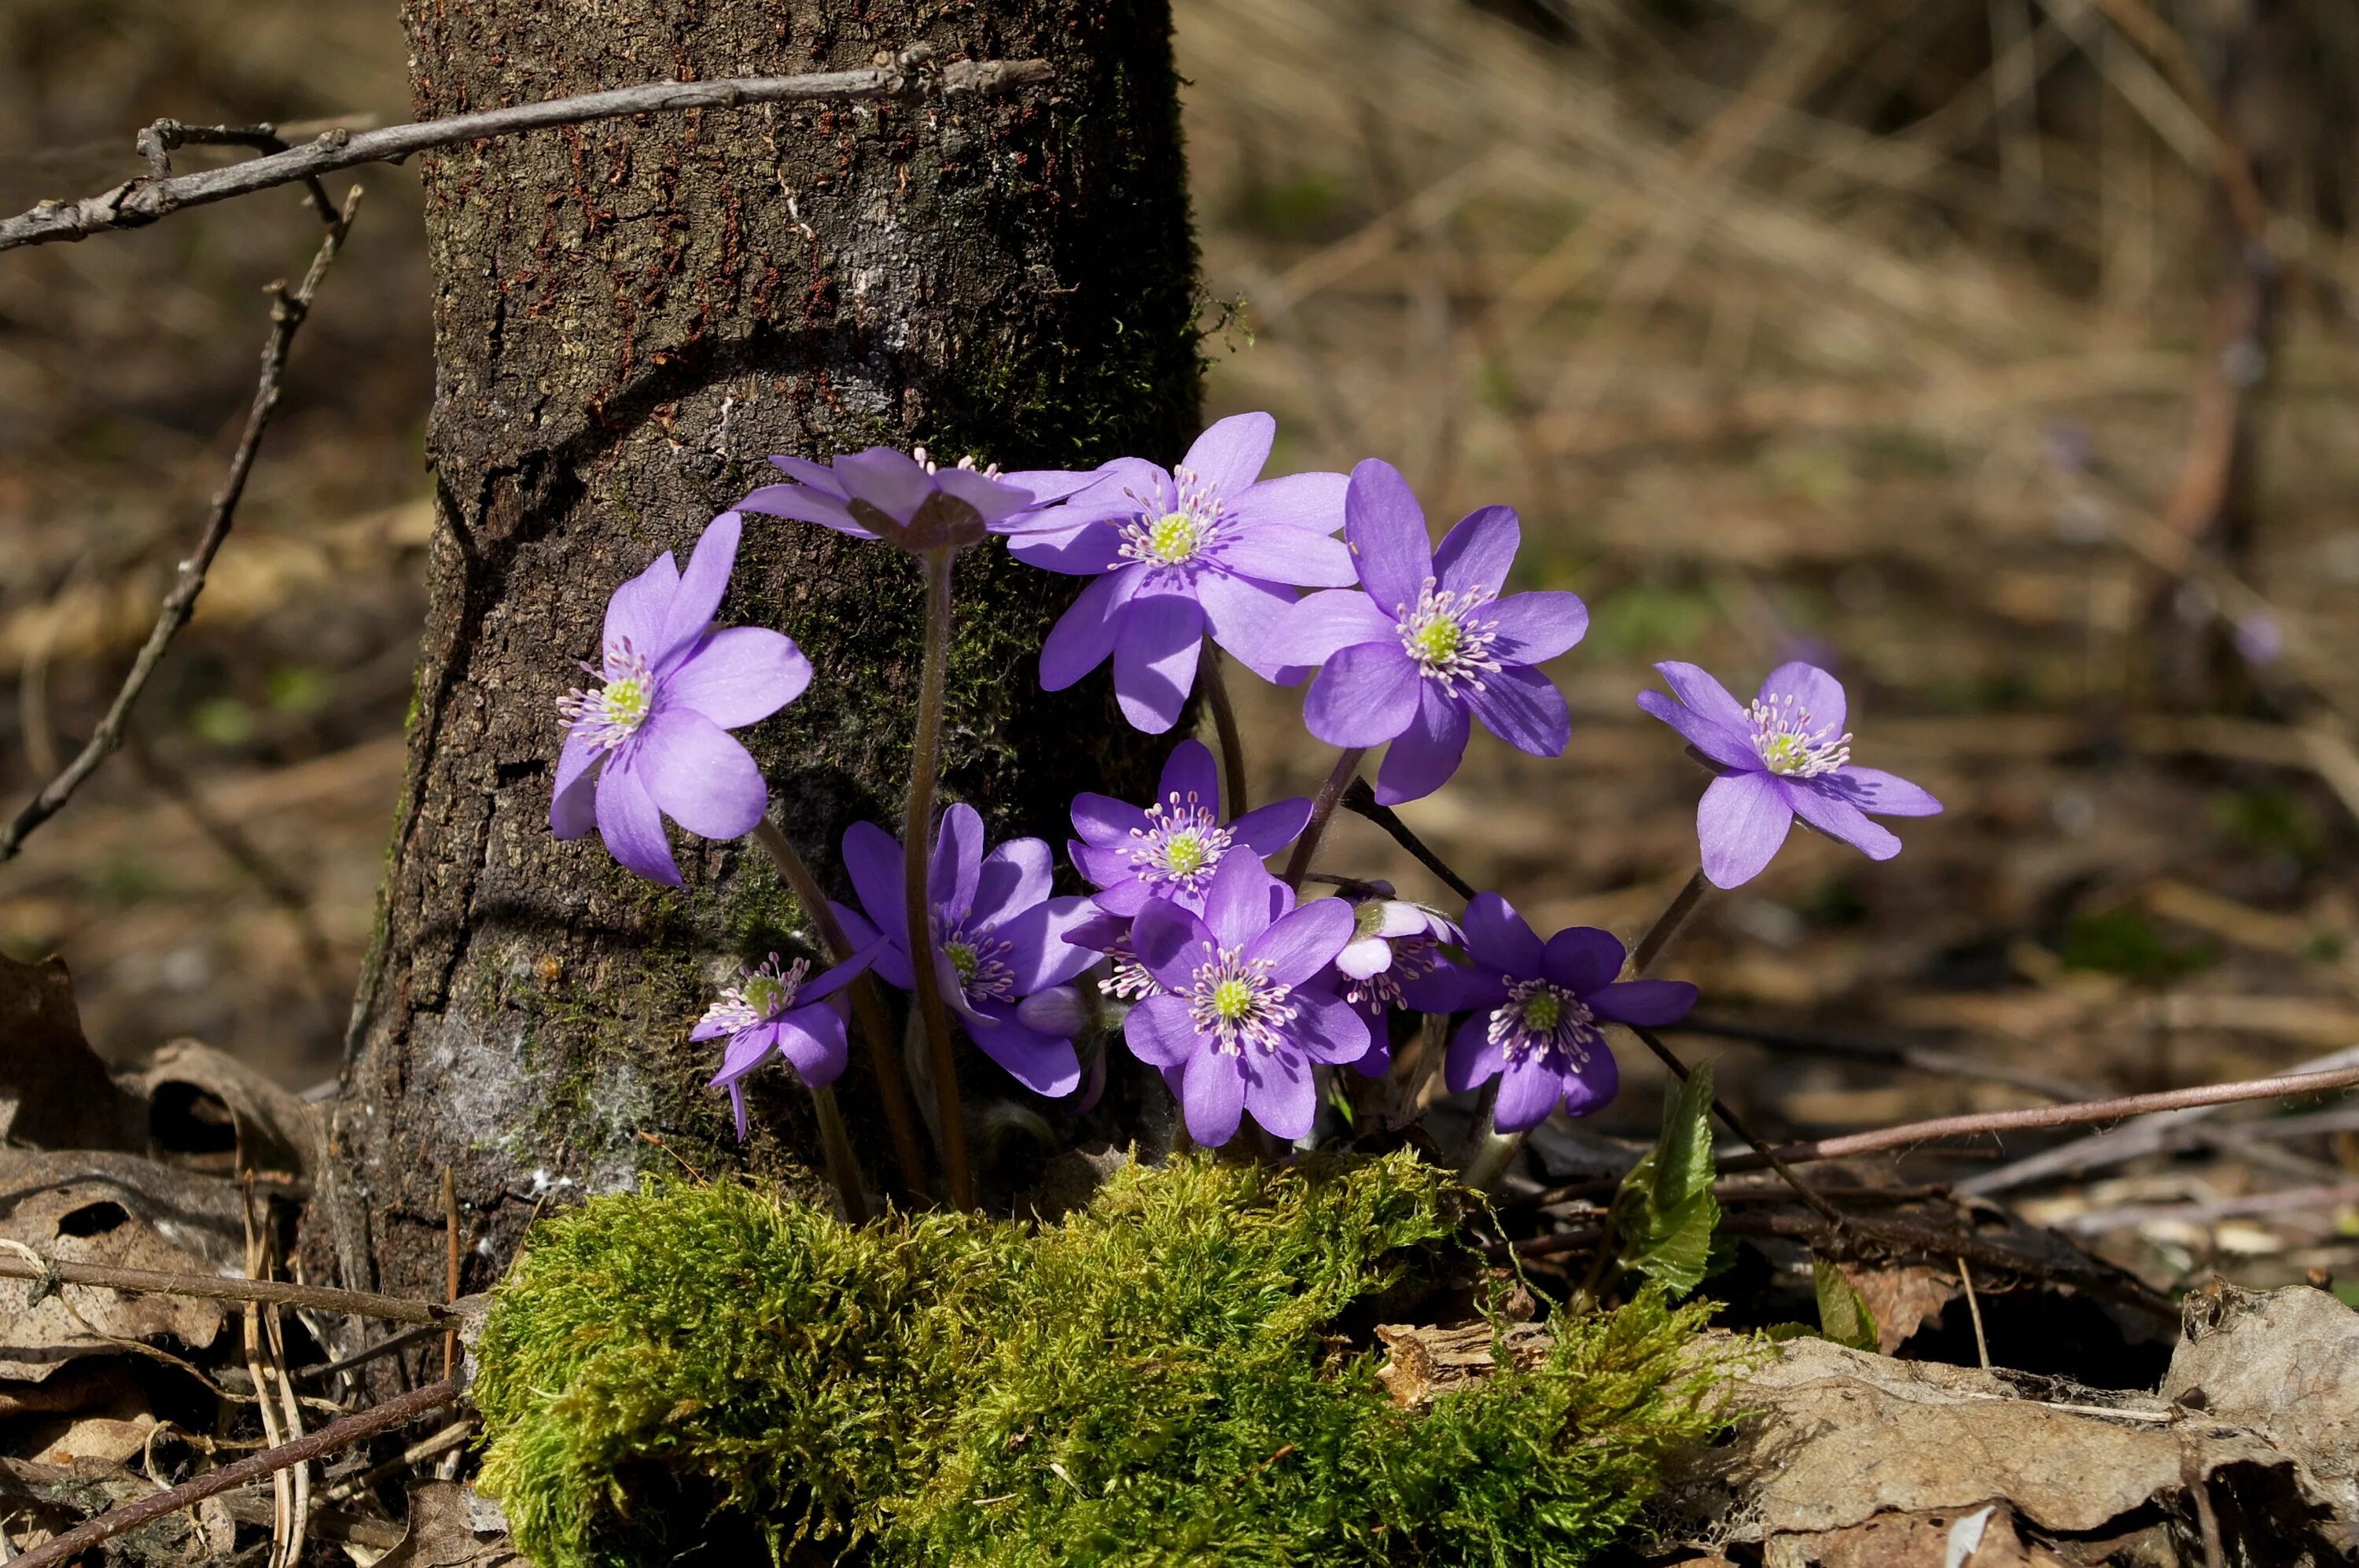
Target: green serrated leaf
(1668,1210)
(1843,1314)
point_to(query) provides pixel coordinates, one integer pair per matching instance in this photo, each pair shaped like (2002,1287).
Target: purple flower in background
(1238,1014)
(998,940)
(1170,849)
(1395,960)
(1426,640)
(906,499)
(650,743)
(1536,1012)
(1203,546)
(1785,756)
(773,1009)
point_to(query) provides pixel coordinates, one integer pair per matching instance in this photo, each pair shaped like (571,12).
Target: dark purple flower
(998,938)
(1426,640)
(1239,1014)
(906,499)
(1536,1012)
(673,687)
(1395,959)
(1788,755)
(773,1009)
(1202,547)
(1170,849)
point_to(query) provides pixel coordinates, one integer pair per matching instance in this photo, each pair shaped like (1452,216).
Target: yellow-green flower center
(1543,1010)
(1437,640)
(1172,538)
(628,701)
(1184,854)
(764,994)
(1232,1000)
(963,959)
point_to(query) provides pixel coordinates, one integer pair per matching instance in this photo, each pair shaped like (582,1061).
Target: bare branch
(328,1439)
(286,314)
(213,1287)
(139,202)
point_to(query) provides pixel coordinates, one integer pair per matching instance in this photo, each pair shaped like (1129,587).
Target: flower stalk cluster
(1243,993)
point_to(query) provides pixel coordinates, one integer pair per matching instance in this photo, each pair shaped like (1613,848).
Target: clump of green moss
(1164,1378)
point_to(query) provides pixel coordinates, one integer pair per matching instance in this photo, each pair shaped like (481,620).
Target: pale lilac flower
(1787,756)
(1536,1008)
(906,499)
(1203,547)
(1426,640)
(1170,849)
(998,940)
(650,743)
(1240,1014)
(773,1009)
(1395,959)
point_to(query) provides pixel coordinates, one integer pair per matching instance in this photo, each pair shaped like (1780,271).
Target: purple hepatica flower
(673,686)
(1785,757)
(773,1009)
(1426,638)
(998,940)
(1395,960)
(1240,1014)
(908,499)
(1170,849)
(1536,1012)
(1175,553)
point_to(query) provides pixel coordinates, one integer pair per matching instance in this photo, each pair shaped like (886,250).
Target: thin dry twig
(143,200)
(212,1288)
(61,1550)
(287,311)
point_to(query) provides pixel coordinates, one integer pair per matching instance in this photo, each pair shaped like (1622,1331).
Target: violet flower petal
(740,676)
(1882,794)
(1592,1084)
(1213,1095)
(1190,771)
(573,805)
(1038,952)
(1171,942)
(632,827)
(1015,876)
(1386,528)
(1312,501)
(1084,635)
(1160,1033)
(1499,938)
(1280,1093)
(1298,945)
(1280,554)
(804,503)
(1474,1058)
(893,481)
(635,614)
(1364,695)
(1649,1004)
(1328,1027)
(1105,823)
(873,861)
(1523,707)
(814,1040)
(957,864)
(1265,829)
(1084,551)
(697,774)
(1694,686)
(1423,758)
(1042,1063)
(1317,627)
(1814,691)
(1244,613)
(1729,747)
(1582,959)
(1479,551)
(1529,1091)
(1058,1012)
(689,615)
(1230,454)
(1534,628)
(1740,822)
(1838,818)
(1155,654)
(1237,905)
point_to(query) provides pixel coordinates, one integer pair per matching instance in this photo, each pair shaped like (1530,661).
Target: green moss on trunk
(1165,1376)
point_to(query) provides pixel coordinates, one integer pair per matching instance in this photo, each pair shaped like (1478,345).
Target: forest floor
(1795,341)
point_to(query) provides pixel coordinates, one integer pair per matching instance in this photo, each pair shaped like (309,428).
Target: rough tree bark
(629,317)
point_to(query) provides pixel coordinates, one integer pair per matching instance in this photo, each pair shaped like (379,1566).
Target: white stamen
(1233,999)
(611,715)
(1537,1016)
(1790,744)
(1157,538)
(1446,636)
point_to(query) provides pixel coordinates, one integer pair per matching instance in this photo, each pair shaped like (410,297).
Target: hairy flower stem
(1322,806)
(925,760)
(1225,728)
(843,1165)
(1491,1152)
(892,1084)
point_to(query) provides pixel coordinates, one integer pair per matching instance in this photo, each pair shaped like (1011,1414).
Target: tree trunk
(629,318)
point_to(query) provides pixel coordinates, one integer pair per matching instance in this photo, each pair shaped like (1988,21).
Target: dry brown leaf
(198,1098)
(451,1526)
(54,1091)
(99,1440)
(2285,1363)
(1905,1297)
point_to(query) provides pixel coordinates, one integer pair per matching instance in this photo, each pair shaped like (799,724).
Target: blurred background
(1995,354)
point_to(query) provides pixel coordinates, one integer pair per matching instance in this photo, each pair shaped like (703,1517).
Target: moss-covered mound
(1160,1378)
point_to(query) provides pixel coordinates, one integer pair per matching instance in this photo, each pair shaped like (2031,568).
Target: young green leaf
(1668,1210)
(1844,1314)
